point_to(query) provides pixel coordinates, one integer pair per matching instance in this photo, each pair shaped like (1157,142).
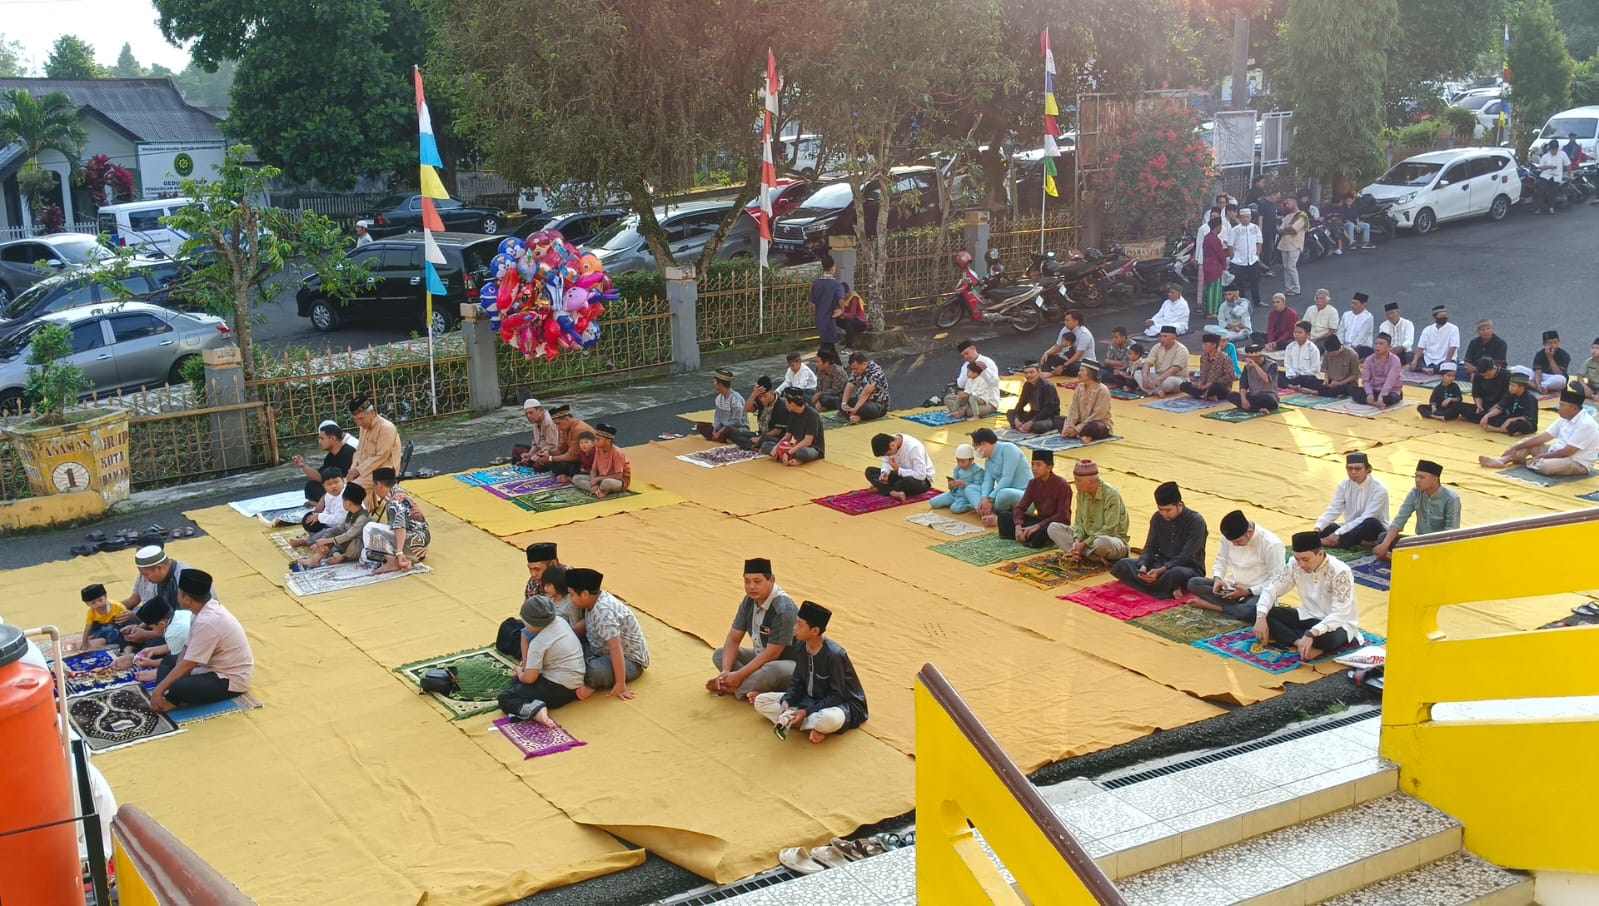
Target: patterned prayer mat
(1049,570)
(945,525)
(1114,599)
(280,540)
(1524,475)
(1363,410)
(518,487)
(495,475)
(934,419)
(1348,555)
(1186,625)
(195,713)
(1182,404)
(340,576)
(866,500)
(113,718)
(481,674)
(1306,401)
(1241,645)
(716,457)
(984,551)
(1373,573)
(1118,393)
(559,499)
(1236,415)
(1420,379)
(91,671)
(834,420)
(255,506)
(533,739)
(1055,443)
(286,516)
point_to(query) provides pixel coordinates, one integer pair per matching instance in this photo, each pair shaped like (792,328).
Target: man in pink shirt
(216,664)
(1381,382)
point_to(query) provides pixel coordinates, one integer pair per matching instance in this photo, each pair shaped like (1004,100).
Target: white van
(1433,188)
(1582,122)
(137,224)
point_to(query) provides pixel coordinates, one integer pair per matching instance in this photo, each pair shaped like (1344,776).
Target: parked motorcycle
(1083,275)
(1050,272)
(1149,276)
(991,299)
(1370,211)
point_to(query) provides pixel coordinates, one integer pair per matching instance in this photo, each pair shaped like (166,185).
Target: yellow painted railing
(1518,786)
(964,779)
(155,869)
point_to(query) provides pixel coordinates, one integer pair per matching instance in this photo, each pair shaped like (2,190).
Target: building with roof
(143,125)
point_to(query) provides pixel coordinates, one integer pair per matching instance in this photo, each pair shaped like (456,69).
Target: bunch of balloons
(546,295)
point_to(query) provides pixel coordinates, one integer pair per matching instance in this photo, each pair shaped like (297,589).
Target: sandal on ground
(829,856)
(797,860)
(84,550)
(889,840)
(870,846)
(1587,610)
(848,848)
(95,537)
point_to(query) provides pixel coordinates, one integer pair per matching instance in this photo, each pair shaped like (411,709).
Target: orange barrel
(40,867)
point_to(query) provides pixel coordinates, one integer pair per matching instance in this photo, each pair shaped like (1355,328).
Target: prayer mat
(1055,443)
(945,525)
(1373,573)
(255,506)
(287,516)
(1186,625)
(866,500)
(1241,645)
(1118,393)
(1049,570)
(518,487)
(195,713)
(1182,404)
(1364,410)
(934,419)
(1016,437)
(340,576)
(1591,496)
(834,420)
(1237,415)
(495,475)
(1348,555)
(1113,599)
(1306,400)
(482,674)
(1524,475)
(91,671)
(113,718)
(716,457)
(533,739)
(280,540)
(1420,379)
(984,551)
(559,499)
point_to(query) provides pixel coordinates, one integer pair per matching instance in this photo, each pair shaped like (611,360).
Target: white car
(1433,188)
(138,224)
(1486,107)
(1582,122)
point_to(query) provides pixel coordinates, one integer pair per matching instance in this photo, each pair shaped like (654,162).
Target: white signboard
(164,165)
(1235,138)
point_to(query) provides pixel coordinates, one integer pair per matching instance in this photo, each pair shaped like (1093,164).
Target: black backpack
(509,639)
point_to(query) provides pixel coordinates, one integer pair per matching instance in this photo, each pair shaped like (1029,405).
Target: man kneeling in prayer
(1325,620)
(766,615)
(1174,550)
(1250,557)
(825,696)
(552,666)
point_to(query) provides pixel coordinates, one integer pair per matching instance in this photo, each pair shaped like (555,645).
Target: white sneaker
(1338,251)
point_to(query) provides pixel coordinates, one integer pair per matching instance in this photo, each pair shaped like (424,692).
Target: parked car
(394,293)
(120,347)
(148,280)
(689,227)
(830,211)
(403,214)
(1433,188)
(137,224)
(790,193)
(577,227)
(1583,122)
(1486,108)
(24,262)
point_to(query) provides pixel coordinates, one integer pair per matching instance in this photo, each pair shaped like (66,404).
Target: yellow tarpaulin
(501,517)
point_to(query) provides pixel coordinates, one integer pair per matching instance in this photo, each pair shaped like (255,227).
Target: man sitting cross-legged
(1436,507)
(1215,379)
(611,472)
(979,398)
(1301,361)
(1005,475)
(1447,402)
(1127,376)
(907,470)
(802,436)
(1162,371)
(1257,389)
(825,695)
(552,666)
(965,483)
(1361,501)
(1174,549)
(1568,447)
(866,395)
(1037,409)
(728,416)
(1516,412)
(216,662)
(1341,364)
(1249,558)
(1099,529)
(1381,377)
(617,653)
(345,545)
(1088,417)
(766,615)
(1046,502)
(1326,619)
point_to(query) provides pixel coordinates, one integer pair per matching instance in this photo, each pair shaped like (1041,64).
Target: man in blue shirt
(826,293)
(1006,474)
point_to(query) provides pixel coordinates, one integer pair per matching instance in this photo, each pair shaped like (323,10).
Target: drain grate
(748,885)
(1240,749)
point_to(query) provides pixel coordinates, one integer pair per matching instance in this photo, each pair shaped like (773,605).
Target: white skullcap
(965,451)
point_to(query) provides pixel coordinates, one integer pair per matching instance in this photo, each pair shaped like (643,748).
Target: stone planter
(85,454)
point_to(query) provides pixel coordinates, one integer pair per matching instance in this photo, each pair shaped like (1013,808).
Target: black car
(151,282)
(830,211)
(576,227)
(395,287)
(403,214)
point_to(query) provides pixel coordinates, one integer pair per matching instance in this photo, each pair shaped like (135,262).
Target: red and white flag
(768,171)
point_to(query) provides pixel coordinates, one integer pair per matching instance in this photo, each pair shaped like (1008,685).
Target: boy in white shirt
(326,518)
(907,470)
(980,397)
(1569,447)
(797,376)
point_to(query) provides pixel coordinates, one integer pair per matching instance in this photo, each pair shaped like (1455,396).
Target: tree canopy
(71,57)
(1540,67)
(127,65)
(11,59)
(1435,41)
(1335,72)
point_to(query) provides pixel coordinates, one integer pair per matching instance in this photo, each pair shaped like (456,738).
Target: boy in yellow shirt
(99,627)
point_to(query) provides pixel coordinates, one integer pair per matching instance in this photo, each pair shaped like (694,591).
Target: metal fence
(730,310)
(401,390)
(176,447)
(1017,240)
(635,337)
(918,267)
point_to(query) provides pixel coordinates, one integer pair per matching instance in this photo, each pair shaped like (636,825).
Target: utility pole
(1240,61)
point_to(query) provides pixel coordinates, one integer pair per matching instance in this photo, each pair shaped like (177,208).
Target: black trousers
(1284,626)
(1040,425)
(565,468)
(1360,396)
(1515,427)
(1302,381)
(1369,529)
(826,402)
(1174,580)
(853,328)
(1264,401)
(195,688)
(893,481)
(1318,386)
(1007,528)
(1204,391)
(869,411)
(552,694)
(1448,410)
(1119,380)
(1246,279)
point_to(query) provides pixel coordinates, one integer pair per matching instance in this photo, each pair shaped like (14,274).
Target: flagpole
(433,382)
(1043,163)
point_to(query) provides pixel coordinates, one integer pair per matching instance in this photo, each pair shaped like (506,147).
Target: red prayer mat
(1117,600)
(867,500)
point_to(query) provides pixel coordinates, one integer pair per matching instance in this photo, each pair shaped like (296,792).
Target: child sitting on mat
(345,545)
(327,516)
(965,485)
(99,626)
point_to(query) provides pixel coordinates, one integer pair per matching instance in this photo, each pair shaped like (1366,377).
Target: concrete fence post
(975,233)
(224,386)
(682,295)
(846,256)
(482,364)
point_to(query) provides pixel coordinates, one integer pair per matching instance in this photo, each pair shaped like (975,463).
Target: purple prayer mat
(505,490)
(534,739)
(867,500)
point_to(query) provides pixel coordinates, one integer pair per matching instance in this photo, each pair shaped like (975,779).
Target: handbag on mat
(509,639)
(439,681)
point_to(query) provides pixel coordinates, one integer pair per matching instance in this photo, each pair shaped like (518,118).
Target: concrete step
(1458,880)
(1308,862)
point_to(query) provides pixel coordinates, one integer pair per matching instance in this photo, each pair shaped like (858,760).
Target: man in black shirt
(1174,550)
(1551,365)
(825,696)
(1486,344)
(1489,385)
(802,438)
(1517,413)
(338,451)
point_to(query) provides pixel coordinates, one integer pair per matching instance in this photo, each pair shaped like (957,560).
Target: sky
(106,24)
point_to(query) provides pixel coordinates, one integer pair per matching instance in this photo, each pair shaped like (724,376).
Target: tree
(11,59)
(1435,41)
(1585,82)
(127,67)
(356,117)
(42,124)
(1541,69)
(71,57)
(1579,21)
(205,88)
(1335,71)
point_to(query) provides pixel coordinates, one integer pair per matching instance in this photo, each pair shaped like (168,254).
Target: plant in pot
(63,452)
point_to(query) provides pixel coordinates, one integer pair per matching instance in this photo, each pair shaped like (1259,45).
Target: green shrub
(53,383)
(1462,123)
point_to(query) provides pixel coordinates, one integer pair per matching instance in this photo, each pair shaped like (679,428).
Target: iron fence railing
(1017,240)
(635,336)
(175,447)
(402,392)
(729,309)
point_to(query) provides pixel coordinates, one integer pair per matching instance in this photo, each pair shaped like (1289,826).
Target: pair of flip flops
(839,852)
(1586,610)
(99,542)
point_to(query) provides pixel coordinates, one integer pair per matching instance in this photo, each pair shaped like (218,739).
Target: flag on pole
(429,163)
(1051,125)
(768,171)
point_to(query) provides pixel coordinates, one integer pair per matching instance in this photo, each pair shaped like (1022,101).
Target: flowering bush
(1157,173)
(100,175)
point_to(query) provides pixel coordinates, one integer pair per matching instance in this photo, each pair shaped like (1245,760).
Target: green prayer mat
(482,675)
(559,499)
(984,551)
(1306,400)
(1236,415)
(1186,624)
(1348,556)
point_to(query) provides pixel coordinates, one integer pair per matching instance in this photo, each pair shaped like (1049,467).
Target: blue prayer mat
(1181,404)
